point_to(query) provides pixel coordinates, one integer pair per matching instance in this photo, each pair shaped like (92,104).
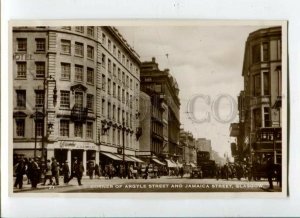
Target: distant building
(187,143)
(260,101)
(163,89)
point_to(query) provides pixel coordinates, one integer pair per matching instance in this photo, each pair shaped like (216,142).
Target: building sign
(76,145)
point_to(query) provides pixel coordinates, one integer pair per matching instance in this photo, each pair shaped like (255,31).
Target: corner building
(260,101)
(76,91)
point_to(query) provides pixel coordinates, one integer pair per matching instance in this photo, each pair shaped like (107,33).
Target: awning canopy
(128,159)
(157,161)
(136,159)
(171,164)
(112,156)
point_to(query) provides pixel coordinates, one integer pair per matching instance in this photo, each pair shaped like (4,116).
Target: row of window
(64,99)
(112,70)
(261,52)
(39,42)
(64,131)
(79,100)
(118,54)
(115,136)
(64,128)
(115,113)
(79,49)
(80,29)
(79,73)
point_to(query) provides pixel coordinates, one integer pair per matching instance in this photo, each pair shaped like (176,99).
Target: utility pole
(123,136)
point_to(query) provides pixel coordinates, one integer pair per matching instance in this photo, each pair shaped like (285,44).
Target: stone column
(97,157)
(69,159)
(84,161)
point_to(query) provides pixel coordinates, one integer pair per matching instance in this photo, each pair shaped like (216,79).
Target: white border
(212,9)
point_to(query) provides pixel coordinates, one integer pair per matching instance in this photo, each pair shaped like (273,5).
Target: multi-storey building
(76,93)
(260,101)
(188,144)
(163,89)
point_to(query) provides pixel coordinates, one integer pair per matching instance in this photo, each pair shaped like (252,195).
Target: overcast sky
(204,60)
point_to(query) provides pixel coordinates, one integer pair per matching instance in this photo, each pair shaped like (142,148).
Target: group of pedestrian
(37,172)
(29,167)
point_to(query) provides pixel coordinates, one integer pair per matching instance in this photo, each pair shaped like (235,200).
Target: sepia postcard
(100,108)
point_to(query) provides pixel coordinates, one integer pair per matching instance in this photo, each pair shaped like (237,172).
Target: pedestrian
(73,169)
(66,172)
(48,173)
(146,172)
(29,170)
(97,171)
(181,172)
(20,171)
(55,170)
(270,171)
(91,169)
(79,172)
(34,173)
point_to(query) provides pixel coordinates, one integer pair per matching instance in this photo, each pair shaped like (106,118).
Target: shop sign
(73,145)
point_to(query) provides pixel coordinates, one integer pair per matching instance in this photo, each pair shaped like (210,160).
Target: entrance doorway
(61,155)
(78,154)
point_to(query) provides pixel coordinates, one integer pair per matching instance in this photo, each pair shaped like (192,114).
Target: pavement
(162,184)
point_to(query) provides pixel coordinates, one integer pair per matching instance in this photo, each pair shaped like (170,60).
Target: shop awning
(111,156)
(171,164)
(157,161)
(128,159)
(136,159)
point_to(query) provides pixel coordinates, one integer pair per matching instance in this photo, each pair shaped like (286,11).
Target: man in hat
(66,172)
(74,168)
(270,170)
(54,170)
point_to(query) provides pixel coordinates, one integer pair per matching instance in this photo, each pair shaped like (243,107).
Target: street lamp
(47,79)
(123,136)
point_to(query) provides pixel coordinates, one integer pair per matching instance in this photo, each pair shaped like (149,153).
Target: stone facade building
(76,91)
(260,101)
(163,89)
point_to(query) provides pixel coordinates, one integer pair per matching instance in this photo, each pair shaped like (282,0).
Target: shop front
(69,151)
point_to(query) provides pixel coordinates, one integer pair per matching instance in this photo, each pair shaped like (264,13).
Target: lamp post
(35,132)
(44,156)
(123,137)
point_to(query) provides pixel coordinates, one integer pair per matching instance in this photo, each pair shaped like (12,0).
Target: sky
(207,63)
